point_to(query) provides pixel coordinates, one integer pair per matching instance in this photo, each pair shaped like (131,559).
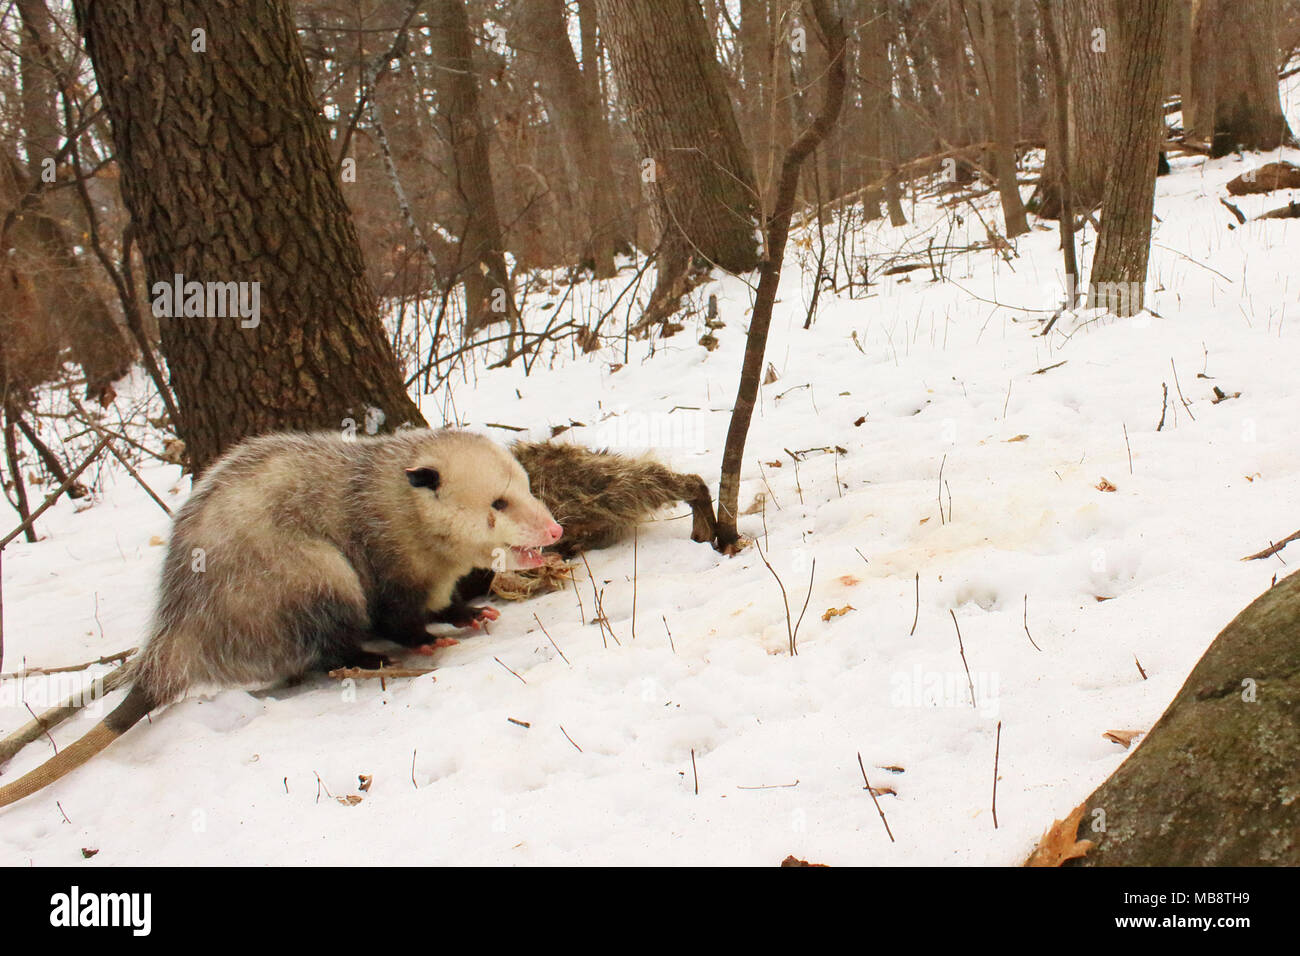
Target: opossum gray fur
(295,549)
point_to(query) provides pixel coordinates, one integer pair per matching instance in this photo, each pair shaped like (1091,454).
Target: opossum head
(474,492)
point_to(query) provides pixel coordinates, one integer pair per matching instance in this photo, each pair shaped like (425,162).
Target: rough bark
(482,266)
(226,173)
(1215,781)
(769,278)
(1004,83)
(1234,84)
(1132,139)
(1089,31)
(676,102)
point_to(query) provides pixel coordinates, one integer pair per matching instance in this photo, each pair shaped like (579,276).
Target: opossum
(599,497)
(295,549)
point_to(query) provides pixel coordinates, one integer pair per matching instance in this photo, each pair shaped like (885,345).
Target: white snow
(232,777)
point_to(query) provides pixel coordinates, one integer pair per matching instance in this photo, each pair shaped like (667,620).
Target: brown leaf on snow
(156,542)
(1060,842)
(837,611)
(792,860)
(351,800)
(1018,438)
(1105,485)
(848,580)
(1124,738)
(364,780)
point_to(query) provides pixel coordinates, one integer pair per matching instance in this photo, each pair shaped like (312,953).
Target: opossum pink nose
(555,531)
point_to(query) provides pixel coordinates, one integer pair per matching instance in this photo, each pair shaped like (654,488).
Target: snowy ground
(945,379)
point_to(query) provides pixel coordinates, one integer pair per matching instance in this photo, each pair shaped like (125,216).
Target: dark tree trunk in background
(582,125)
(1132,138)
(482,264)
(1005,83)
(1234,76)
(1058,137)
(1088,32)
(226,173)
(676,102)
(64,282)
(1214,782)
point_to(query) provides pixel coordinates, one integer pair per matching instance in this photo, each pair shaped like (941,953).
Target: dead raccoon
(598,497)
(295,549)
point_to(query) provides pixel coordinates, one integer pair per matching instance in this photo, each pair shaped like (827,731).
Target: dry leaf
(859,421)
(792,860)
(1018,438)
(836,612)
(773,464)
(1105,485)
(1060,842)
(923,520)
(156,542)
(771,375)
(351,800)
(1124,738)
(364,780)
(87,852)
(848,580)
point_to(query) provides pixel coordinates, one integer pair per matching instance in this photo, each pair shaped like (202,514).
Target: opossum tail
(123,717)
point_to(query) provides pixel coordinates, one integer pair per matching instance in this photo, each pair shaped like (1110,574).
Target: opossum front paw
(465,615)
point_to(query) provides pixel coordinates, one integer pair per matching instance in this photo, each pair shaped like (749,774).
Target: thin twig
(1027,634)
(549,638)
(873,798)
(962,649)
(917,615)
(997,753)
(503,664)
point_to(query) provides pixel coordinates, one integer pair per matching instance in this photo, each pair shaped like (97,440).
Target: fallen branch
(68,668)
(1273,549)
(42,725)
(365,673)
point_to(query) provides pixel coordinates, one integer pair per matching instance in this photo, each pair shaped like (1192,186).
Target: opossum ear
(424,478)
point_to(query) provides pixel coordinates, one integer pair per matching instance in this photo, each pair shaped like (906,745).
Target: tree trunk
(70,296)
(1088,30)
(695,162)
(1214,783)
(1132,139)
(1235,48)
(1005,82)
(482,265)
(226,173)
(769,278)
(581,123)
(1060,136)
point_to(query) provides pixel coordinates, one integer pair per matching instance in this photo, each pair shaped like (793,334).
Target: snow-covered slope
(939,376)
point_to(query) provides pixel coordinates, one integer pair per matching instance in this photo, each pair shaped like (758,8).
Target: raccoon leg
(692,490)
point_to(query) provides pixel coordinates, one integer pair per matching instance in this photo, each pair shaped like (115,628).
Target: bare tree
(228,180)
(778,230)
(695,164)
(1233,89)
(1132,139)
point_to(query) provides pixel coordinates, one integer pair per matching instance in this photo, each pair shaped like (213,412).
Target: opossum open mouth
(528,557)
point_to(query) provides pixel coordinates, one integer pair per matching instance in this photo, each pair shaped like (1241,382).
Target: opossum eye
(500,504)
(423,478)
